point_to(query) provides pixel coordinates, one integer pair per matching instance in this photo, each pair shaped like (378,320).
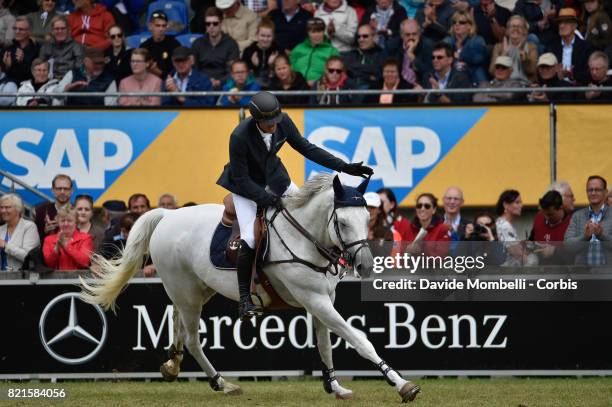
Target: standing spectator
(381,237)
(167,201)
(186,79)
(285,78)
(453,202)
(160,45)
(68,249)
(385,18)
(548,77)
(392,217)
(6,26)
(436,240)
(89,24)
(239,22)
(309,57)
(140,81)
(62,52)
(39,83)
(392,80)
(260,55)
(41,21)
(240,80)
(334,78)
(216,50)
(138,204)
(564,188)
(112,245)
(6,85)
(364,64)
(117,55)
(435,19)
(112,210)
(470,51)
(596,26)
(491,20)
(17,59)
(549,226)
(446,77)
(480,240)
(18,236)
(598,68)
(289,24)
(83,205)
(524,54)
(509,207)
(502,78)
(591,226)
(45,213)
(341,23)
(415,53)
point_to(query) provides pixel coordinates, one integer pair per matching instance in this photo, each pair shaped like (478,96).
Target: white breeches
(246,211)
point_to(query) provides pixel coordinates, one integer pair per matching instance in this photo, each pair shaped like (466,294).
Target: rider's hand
(274,201)
(358,169)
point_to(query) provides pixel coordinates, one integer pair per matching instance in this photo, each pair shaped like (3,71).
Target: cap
(94,54)
(372,199)
(547,59)
(181,53)
(224,4)
(504,60)
(158,14)
(115,205)
(567,14)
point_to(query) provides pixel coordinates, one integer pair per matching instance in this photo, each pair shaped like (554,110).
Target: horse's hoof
(231,389)
(346,395)
(409,391)
(168,376)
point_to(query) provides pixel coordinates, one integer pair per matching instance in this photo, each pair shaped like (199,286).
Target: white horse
(179,243)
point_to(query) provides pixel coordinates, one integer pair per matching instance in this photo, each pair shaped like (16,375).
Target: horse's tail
(114,274)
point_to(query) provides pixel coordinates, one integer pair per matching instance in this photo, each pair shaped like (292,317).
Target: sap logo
(17,146)
(394,166)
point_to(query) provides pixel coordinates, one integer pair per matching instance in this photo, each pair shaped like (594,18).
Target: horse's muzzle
(363,262)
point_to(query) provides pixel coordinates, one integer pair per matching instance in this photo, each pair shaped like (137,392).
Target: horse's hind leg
(330,383)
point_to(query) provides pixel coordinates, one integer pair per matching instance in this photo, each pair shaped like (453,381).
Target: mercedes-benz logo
(72,329)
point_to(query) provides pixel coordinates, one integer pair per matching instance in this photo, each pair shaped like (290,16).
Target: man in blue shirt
(186,79)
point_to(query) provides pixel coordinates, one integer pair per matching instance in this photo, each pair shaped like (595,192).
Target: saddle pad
(218,245)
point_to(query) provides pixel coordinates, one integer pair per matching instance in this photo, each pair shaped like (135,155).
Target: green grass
(436,392)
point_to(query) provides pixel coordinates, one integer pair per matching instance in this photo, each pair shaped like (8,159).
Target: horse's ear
(338,188)
(363,186)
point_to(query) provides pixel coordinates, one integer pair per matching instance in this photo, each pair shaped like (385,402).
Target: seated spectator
(341,23)
(385,18)
(392,80)
(470,51)
(599,65)
(6,26)
(436,241)
(17,58)
(68,249)
(117,55)
(596,26)
(8,86)
(260,55)
(285,78)
(83,205)
(62,52)
(289,24)
(548,69)
(186,79)
(574,60)
(40,21)
(239,22)
(435,19)
(91,77)
(89,24)
(452,202)
(40,84)
(167,201)
(141,80)
(113,245)
(18,236)
(490,20)
(415,53)
(160,45)
(541,21)
(240,80)
(509,207)
(309,57)
(502,78)
(524,54)
(216,50)
(364,64)
(334,78)
(393,218)
(445,76)
(45,213)
(549,226)
(480,240)
(381,237)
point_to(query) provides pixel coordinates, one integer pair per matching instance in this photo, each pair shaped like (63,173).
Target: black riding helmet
(265,108)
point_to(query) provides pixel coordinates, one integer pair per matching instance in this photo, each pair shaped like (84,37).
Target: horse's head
(348,226)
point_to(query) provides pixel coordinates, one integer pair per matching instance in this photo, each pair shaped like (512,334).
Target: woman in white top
(18,236)
(509,207)
(39,83)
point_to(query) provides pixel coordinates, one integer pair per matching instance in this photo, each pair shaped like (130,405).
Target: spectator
(140,81)
(549,226)
(502,79)
(240,80)
(17,59)
(117,55)
(167,201)
(564,188)
(91,77)
(446,77)
(436,240)
(548,69)
(540,20)
(435,19)
(415,53)
(62,52)
(334,78)
(364,64)
(6,26)
(572,51)
(593,225)
(8,86)
(89,24)
(215,52)
(381,237)
(598,68)
(41,21)
(470,51)
(289,24)
(509,207)
(286,78)
(393,218)
(68,249)
(138,204)
(160,45)
(309,57)
(260,55)
(392,80)
(480,240)
(596,25)
(40,84)
(186,79)
(112,210)
(341,23)
(452,203)
(113,245)
(385,18)
(83,205)
(490,20)
(524,54)
(18,236)
(45,213)
(239,22)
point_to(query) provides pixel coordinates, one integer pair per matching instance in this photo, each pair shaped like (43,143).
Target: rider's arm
(240,172)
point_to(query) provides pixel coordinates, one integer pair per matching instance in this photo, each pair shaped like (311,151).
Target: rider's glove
(274,201)
(358,169)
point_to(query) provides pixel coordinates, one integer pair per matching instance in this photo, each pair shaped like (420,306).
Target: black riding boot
(244,264)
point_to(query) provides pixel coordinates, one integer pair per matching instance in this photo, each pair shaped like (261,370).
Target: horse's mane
(313,186)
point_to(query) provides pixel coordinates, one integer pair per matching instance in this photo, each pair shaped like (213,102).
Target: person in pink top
(68,249)
(141,80)
(89,24)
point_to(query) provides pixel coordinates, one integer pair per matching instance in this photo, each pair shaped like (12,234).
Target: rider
(257,178)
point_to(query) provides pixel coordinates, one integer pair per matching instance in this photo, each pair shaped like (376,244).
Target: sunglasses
(159,15)
(114,36)
(363,35)
(461,22)
(437,57)
(501,67)
(424,205)
(212,23)
(331,70)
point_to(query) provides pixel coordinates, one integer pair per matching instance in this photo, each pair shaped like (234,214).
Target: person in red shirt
(89,24)
(436,241)
(68,249)
(549,225)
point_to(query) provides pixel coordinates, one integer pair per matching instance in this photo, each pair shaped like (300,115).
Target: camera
(479,230)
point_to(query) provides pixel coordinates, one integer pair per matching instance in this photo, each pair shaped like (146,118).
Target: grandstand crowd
(51,46)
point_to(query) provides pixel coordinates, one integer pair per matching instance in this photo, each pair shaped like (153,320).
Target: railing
(14,180)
